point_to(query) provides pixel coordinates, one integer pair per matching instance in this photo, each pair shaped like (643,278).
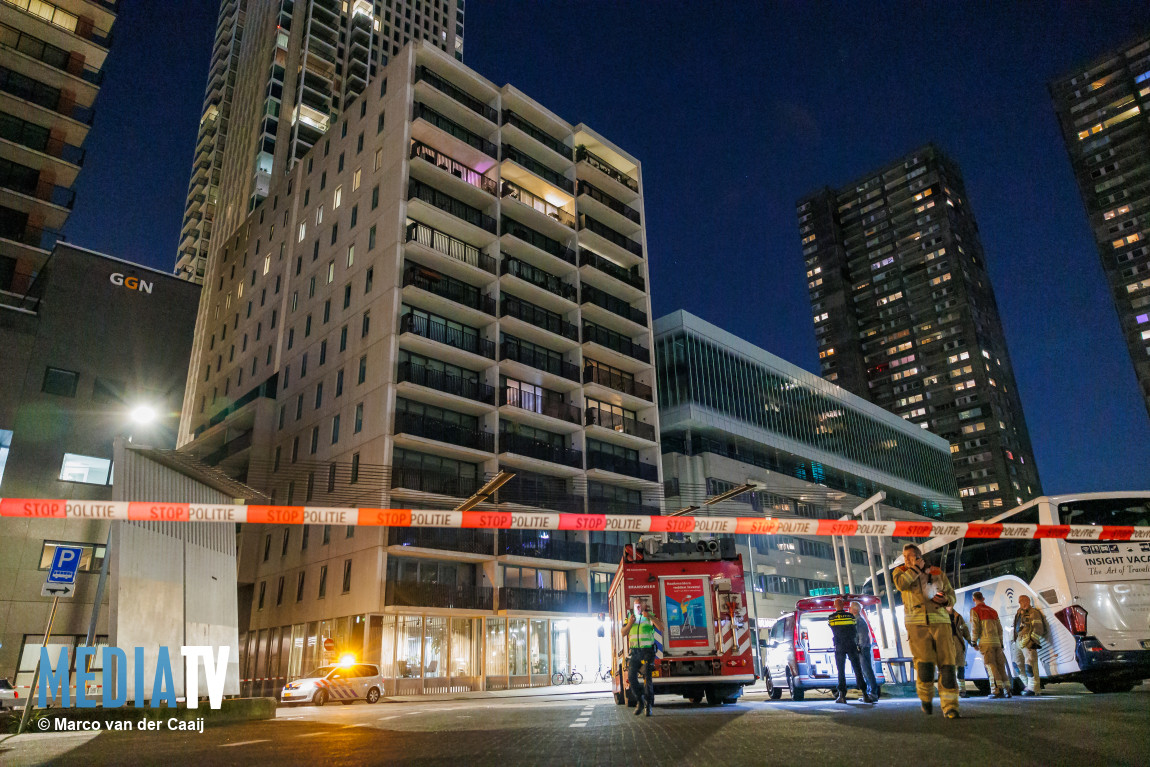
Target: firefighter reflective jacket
(985,627)
(917,588)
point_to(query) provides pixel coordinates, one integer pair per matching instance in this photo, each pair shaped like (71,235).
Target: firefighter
(986,636)
(1029,628)
(961,638)
(926,593)
(640,631)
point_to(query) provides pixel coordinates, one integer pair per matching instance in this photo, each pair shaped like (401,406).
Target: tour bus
(1094,594)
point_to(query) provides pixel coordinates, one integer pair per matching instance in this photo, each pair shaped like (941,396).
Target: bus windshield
(1105,511)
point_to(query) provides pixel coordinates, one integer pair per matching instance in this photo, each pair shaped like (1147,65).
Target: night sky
(736,110)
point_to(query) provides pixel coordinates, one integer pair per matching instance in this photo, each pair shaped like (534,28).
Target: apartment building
(51,67)
(281,73)
(905,317)
(1102,109)
(450,284)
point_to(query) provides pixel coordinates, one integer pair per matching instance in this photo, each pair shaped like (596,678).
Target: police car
(346,683)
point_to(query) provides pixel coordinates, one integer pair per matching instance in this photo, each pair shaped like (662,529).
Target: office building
(1102,110)
(731,413)
(905,316)
(282,72)
(51,67)
(450,284)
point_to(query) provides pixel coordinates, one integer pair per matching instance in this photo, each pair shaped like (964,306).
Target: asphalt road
(1068,726)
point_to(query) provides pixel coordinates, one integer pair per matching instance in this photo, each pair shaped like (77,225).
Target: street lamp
(143,415)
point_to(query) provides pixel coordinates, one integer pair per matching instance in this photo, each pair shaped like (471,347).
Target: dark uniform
(845,634)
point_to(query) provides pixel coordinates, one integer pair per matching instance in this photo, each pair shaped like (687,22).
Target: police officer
(843,630)
(961,637)
(864,645)
(926,593)
(1029,628)
(640,631)
(986,635)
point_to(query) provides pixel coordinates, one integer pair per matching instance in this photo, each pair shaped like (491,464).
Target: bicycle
(603,675)
(571,677)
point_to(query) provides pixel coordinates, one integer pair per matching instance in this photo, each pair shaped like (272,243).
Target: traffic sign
(65,563)
(329,644)
(58,590)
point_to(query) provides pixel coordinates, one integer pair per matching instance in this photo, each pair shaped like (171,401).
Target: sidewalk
(589,688)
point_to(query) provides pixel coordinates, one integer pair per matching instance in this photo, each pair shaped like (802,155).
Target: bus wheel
(696,699)
(982,685)
(1101,687)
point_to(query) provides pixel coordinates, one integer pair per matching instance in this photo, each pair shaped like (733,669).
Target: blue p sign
(65,562)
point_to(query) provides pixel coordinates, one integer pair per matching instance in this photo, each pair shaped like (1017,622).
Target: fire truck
(694,588)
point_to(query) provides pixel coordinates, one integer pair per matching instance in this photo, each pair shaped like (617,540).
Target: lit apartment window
(338,196)
(356,178)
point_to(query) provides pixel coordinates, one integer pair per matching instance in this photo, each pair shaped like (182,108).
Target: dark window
(60,382)
(346,575)
(263,589)
(322,582)
(287,537)
(280,592)
(267,546)
(299,587)
(326,534)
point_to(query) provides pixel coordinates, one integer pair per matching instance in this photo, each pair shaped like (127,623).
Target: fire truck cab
(694,588)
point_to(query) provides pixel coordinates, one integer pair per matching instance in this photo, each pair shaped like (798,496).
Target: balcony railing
(443,431)
(466,99)
(516,192)
(422,111)
(592,295)
(444,334)
(530,489)
(619,207)
(66,20)
(450,246)
(38,138)
(453,166)
(540,318)
(51,55)
(414,594)
(538,168)
(24,87)
(538,278)
(447,203)
(609,234)
(544,138)
(541,241)
(604,506)
(615,342)
(610,462)
(544,451)
(538,360)
(449,288)
(605,552)
(436,483)
(616,422)
(543,600)
(445,382)
(469,540)
(21,178)
(598,375)
(582,154)
(543,548)
(629,276)
(549,405)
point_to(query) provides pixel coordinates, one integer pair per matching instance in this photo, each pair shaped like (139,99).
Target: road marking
(244,743)
(312,734)
(578,724)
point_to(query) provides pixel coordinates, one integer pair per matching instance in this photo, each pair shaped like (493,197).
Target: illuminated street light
(143,414)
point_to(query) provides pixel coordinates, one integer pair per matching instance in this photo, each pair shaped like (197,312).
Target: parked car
(346,683)
(798,653)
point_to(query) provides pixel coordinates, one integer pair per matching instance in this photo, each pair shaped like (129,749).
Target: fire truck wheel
(696,699)
(713,698)
(619,699)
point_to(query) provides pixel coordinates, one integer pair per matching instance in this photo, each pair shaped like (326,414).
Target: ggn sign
(131,283)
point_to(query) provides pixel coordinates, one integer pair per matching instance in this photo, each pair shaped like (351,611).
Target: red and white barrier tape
(33,508)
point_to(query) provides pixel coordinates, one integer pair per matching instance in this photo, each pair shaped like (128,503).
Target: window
(280,592)
(267,546)
(350,255)
(299,586)
(304,536)
(287,537)
(85,469)
(346,576)
(356,178)
(367,281)
(350,531)
(379,152)
(335,430)
(338,196)
(314,439)
(330,272)
(60,382)
(263,590)
(362,369)
(322,582)
(326,534)
(366,325)
(358,419)
(354,468)
(375,197)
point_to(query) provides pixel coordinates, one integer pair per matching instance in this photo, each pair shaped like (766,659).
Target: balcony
(423,74)
(424,112)
(537,317)
(615,422)
(46,96)
(539,278)
(544,138)
(615,342)
(449,288)
(450,246)
(454,167)
(544,451)
(441,333)
(582,154)
(542,548)
(630,276)
(59,58)
(607,233)
(608,462)
(605,552)
(513,191)
(541,491)
(610,506)
(543,404)
(417,190)
(542,600)
(435,483)
(445,382)
(470,541)
(592,295)
(443,431)
(412,594)
(539,169)
(532,358)
(617,382)
(607,200)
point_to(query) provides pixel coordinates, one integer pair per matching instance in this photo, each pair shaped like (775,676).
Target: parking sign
(65,563)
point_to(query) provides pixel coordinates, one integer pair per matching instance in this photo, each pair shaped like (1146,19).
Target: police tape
(143,511)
